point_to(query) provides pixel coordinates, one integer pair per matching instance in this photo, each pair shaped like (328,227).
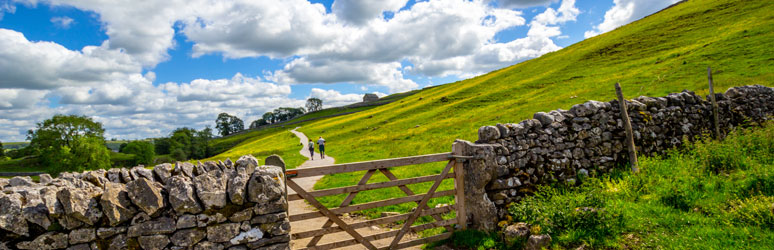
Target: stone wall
(212,205)
(588,140)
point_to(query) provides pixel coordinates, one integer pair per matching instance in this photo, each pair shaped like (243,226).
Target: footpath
(300,206)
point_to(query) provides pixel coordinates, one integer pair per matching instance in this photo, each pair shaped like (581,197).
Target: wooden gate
(371,167)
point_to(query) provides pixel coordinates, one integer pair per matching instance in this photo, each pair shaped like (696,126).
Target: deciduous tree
(313,104)
(70,143)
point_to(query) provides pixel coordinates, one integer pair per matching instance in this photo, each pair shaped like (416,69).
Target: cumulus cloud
(45,65)
(354,43)
(523,3)
(626,11)
(361,11)
(333,98)
(303,70)
(224,89)
(62,21)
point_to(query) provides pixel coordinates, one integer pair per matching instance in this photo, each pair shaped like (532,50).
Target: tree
(2,150)
(70,143)
(89,153)
(258,123)
(269,117)
(284,114)
(161,146)
(237,124)
(122,147)
(228,124)
(143,152)
(313,104)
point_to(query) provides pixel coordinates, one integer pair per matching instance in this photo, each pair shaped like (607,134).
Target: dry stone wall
(211,205)
(588,140)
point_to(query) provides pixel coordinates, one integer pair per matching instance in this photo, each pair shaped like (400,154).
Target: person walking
(311,149)
(321,147)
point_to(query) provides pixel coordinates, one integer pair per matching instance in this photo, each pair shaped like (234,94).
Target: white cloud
(62,21)
(627,11)
(113,82)
(361,11)
(523,3)
(224,89)
(6,6)
(44,65)
(303,70)
(333,98)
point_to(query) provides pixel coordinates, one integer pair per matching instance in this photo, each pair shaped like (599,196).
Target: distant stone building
(370,98)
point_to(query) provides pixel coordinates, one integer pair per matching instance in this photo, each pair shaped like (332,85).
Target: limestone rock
(82,235)
(247,164)
(211,189)
(116,204)
(544,118)
(141,172)
(81,203)
(267,243)
(537,242)
(188,237)
(237,188)
(183,168)
(107,232)
(222,232)
(186,221)
(145,195)
(251,235)
(17,181)
(206,245)
(515,232)
(44,179)
(119,242)
(84,246)
(270,207)
(182,196)
(266,184)
(488,134)
(163,172)
(241,216)
(50,240)
(153,242)
(11,218)
(162,225)
(268,218)
(36,213)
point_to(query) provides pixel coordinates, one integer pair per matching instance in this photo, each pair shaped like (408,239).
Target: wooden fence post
(628,128)
(459,185)
(715,117)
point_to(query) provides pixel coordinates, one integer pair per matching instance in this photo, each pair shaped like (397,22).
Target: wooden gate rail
(371,186)
(374,222)
(368,165)
(371,167)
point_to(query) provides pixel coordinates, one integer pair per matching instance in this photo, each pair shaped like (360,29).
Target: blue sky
(145,69)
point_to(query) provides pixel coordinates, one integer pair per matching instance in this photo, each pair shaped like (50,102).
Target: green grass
(21,165)
(665,52)
(279,141)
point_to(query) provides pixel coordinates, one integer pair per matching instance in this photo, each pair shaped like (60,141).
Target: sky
(144,68)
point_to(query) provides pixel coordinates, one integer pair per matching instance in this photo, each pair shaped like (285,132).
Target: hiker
(311,149)
(321,146)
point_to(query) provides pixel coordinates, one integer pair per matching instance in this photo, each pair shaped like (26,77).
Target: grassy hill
(665,52)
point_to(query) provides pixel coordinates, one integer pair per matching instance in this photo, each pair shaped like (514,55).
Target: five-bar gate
(371,167)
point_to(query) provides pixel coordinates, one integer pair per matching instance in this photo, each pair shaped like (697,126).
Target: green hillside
(665,52)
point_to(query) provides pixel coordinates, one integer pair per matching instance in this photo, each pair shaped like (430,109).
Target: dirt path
(299,206)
